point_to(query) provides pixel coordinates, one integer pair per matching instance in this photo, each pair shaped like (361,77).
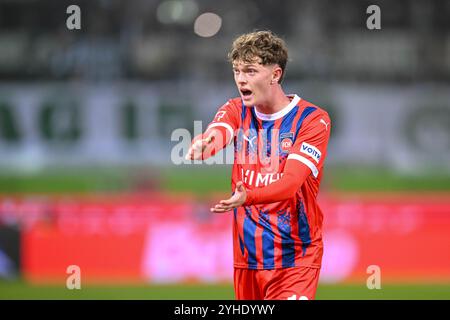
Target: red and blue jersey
(286,233)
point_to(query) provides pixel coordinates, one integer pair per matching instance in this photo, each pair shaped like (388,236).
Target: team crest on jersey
(286,141)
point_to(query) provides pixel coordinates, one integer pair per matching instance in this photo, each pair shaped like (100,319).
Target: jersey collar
(281,113)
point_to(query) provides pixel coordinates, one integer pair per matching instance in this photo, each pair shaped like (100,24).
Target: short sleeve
(228,116)
(310,146)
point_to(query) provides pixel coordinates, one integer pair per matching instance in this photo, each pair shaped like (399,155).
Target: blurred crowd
(155,40)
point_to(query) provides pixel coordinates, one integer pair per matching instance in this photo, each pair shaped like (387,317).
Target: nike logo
(326,124)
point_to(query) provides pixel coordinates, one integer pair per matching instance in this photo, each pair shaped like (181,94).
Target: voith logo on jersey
(286,141)
(311,151)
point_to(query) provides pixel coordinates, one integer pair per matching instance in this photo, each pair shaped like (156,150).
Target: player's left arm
(294,175)
(306,157)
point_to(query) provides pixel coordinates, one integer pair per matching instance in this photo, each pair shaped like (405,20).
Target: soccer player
(280,144)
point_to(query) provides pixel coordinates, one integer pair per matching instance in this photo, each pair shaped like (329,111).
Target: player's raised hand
(196,150)
(237,200)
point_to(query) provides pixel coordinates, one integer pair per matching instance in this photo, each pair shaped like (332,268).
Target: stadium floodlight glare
(207,24)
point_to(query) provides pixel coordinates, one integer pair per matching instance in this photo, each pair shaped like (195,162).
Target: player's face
(253,81)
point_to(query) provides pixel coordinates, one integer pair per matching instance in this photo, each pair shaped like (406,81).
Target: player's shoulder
(314,110)
(235,106)
(235,102)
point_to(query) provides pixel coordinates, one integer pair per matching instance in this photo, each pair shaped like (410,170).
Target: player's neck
(278,101)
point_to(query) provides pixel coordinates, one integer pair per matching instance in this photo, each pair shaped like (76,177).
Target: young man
(280,144)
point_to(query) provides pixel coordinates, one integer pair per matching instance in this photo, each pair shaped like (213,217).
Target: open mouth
(246,92)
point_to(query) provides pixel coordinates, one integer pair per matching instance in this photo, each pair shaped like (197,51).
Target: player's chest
(263,142)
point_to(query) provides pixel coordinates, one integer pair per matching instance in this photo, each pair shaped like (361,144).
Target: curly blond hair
(263,44)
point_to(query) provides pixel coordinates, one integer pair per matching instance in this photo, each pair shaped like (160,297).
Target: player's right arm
(220,133)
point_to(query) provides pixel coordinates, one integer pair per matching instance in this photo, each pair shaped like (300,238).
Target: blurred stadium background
(86,122)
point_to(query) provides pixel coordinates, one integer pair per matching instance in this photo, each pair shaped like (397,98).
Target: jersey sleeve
(228,117)
(310,147)
(294,175)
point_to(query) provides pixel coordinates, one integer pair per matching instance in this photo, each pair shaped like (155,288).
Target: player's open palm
(237,200)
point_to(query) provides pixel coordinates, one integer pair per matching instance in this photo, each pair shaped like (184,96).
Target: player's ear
(276,74)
